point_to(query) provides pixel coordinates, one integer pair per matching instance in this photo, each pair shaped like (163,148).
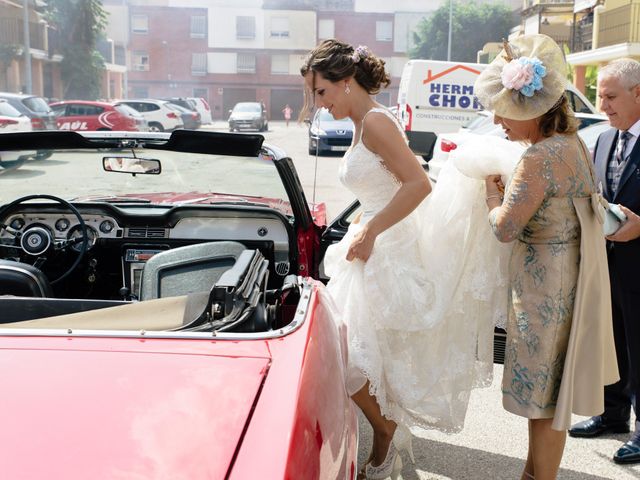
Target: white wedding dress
(420,311)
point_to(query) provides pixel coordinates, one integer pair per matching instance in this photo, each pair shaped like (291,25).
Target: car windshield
(183,178)
(127,110)
(247,107)
(8,110)
(325,116)
(36,104)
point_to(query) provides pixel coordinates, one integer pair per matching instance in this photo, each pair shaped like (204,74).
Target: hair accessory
(523,74)
(360,52)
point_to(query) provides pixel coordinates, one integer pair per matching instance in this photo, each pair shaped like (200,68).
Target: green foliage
(79,24)
(473,25)
(9,52)
(591,83)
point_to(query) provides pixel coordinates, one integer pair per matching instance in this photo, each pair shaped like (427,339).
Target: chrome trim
(297,321)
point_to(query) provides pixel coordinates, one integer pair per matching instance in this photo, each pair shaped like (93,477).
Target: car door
(335,231)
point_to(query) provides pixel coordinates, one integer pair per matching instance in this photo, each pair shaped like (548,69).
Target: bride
(419,312)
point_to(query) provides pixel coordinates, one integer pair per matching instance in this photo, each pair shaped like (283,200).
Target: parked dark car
(328,135)
(190,119)
(248,116)
(34,107)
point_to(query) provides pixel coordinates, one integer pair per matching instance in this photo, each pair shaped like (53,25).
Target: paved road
(493,442)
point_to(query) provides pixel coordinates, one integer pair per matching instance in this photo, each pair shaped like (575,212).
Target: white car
(202,107)
(11,120)
(483,125)
(158,115)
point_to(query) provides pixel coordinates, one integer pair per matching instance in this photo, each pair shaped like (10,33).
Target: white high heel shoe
(390,467)
(392,464)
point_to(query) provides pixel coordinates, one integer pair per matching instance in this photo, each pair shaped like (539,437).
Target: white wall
(222,28)
(221,62)
(117,23)
(302,30)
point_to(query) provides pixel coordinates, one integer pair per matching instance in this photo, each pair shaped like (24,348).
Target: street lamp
(27,46)
(450,28)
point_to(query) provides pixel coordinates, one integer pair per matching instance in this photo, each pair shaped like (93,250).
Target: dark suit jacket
(627,254)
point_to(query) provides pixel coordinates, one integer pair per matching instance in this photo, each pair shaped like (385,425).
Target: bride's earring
(347,89)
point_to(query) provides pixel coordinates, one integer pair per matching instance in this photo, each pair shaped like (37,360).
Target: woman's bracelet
(494,195)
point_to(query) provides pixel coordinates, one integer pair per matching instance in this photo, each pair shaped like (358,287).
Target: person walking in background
(287,111)
(559,319)
(617,165)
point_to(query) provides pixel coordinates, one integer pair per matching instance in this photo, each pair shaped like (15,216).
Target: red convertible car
(160,313)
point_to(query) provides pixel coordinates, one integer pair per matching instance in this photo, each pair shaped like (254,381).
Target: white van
(437,97)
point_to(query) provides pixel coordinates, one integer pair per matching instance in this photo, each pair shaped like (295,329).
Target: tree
(473,25)
(79,24)
(8,53)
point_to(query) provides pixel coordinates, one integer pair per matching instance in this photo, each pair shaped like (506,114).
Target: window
(139,24)
(198,64)
(280,27)
(326,28)
(141,92)
(198,26)
(80,110)
(246,63)
(280,64)
(201,92)
(245,27)
(384,31)
(140,60)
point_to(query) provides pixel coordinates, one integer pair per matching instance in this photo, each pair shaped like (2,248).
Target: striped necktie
(622,146)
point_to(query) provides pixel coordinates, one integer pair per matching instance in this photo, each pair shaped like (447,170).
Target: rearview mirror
(147,166)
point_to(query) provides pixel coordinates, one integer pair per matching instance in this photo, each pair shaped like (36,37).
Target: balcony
(582,36)
(619,25)
(12,33)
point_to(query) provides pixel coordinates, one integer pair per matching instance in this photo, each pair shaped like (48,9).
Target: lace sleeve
(532,182)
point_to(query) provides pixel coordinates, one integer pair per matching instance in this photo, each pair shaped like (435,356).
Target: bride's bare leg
(383,428)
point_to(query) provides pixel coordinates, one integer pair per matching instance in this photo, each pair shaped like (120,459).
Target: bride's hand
(494,185)
(361,246)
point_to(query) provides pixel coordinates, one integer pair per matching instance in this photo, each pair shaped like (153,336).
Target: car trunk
(146,412)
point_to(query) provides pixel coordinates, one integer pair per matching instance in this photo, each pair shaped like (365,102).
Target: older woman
(559,350)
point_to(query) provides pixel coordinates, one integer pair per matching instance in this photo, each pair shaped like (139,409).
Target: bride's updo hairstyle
(336,60)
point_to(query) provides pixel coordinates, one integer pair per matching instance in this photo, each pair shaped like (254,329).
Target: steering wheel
(35,241)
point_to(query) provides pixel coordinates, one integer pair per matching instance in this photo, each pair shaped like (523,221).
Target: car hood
(345,125)
(124,414)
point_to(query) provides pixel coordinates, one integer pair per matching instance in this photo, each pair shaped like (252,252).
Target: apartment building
(43,76)
(605,30)
(251,51)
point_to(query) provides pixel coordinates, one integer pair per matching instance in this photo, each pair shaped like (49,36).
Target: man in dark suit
(617,166)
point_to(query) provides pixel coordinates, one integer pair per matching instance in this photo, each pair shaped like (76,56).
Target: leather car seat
(23,280)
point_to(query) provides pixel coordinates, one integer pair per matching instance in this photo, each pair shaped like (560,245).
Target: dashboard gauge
(107,226)
(62,224)
(76,234)
(17,223)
